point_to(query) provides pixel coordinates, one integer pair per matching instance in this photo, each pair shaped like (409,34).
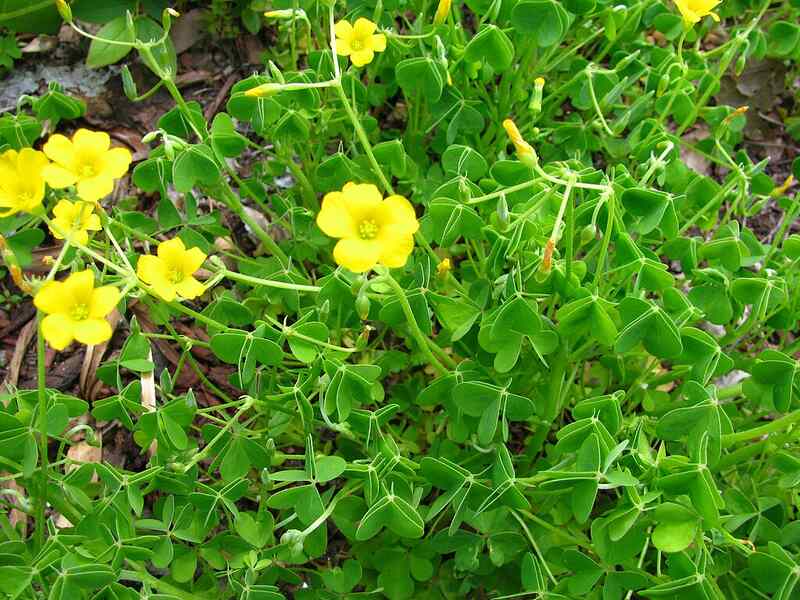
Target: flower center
(357,44)
(87,170)
(175,275)
(367,229)
(79,312)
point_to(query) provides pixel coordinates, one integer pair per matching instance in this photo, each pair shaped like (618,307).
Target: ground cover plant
(483,300)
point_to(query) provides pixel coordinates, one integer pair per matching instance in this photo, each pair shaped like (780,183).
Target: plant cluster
(496,339)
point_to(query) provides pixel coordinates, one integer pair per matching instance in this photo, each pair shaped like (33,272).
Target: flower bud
(286,13)
(442,11)
(535,104)
(525,152)
(588,233)
(362,306)
(264,90)
(502,212)
(128,84)
(64,10)
(325,310)
(444,267)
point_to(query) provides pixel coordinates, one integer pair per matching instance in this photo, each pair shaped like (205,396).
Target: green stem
(416,332)
(765,429)
(269,282)
(362,137)
(140,574)
(41,386)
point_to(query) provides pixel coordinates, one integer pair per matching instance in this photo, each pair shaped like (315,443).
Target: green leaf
(420,77)
(676,529)
(544,20)
(195,165)
(102,54)
(492,46)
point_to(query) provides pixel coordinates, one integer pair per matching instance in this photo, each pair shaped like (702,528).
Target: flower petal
(104,300)
(343,29)
(92,331)
(116,162)
(396,246)
(171,252)
(58,177)
(190,288)
(78,287)
(58,330)
(95,188)
(91,142)
(362,57)
(357,255)
(51,298)
(361,200)
(92,223)
(379,42)
(363,28)
(398,212)
(31,162)
(192,260)
(334,219)
(64,210)
(343,47)
(151,269)
(60,150)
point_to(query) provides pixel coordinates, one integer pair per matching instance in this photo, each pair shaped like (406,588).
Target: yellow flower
(171,272)
(86,161)
(442,11)
(371,229)
(21,181)
(74,220)
(444,267)
(359,41)
(694,10)
(76,310)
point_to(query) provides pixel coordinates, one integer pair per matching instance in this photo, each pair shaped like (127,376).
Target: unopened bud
(325,310)
(444,267)
(525,152)
(535,105)
(64,10)
(781,189)
(264,90)
(128,84)
(286,13)
(502,211)
(362,306)
(588,233)
(442,11)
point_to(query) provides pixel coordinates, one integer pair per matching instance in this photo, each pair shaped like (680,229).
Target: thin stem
(362,137)
(41,387)
(771,427)
(416,332)
(269,282)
